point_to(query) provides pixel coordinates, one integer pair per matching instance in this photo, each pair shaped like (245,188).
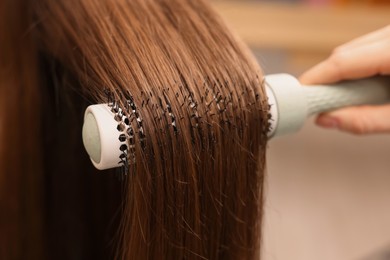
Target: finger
(364,61)
(358,120)
(376,36)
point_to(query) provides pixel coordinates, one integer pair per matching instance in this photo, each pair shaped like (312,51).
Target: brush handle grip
(292,103)
(322,98)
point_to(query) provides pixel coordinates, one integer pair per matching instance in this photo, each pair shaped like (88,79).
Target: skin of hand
(365,56)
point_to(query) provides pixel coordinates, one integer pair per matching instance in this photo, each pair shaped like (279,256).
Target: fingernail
(327,122)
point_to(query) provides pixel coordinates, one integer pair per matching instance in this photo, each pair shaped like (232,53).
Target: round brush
(290,105)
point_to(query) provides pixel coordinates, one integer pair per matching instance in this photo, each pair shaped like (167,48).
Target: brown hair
(193,189)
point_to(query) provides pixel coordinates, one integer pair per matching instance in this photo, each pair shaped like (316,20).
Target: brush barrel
(291,103)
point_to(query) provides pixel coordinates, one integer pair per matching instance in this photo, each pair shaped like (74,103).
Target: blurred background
(327,193)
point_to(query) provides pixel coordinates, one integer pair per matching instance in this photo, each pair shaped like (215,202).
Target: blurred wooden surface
(300,28)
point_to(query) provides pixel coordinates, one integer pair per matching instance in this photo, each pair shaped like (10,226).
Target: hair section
(194,131)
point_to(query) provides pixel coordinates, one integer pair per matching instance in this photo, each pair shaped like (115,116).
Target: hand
(365,56)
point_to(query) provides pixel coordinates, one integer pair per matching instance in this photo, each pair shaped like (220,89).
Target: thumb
(358,120)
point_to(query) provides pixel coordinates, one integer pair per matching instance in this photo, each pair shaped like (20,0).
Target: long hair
(193,188)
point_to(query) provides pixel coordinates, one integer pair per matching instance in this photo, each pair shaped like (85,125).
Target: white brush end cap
(101,137)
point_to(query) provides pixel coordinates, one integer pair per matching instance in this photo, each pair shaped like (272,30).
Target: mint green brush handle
(291,103)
